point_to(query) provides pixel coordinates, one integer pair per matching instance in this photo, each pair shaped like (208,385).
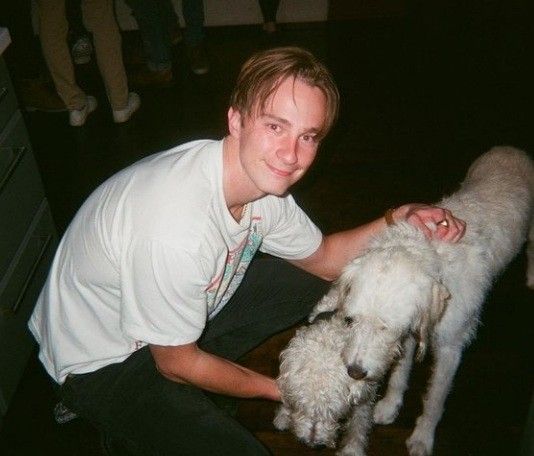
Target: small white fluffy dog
(404,293)
(317,390)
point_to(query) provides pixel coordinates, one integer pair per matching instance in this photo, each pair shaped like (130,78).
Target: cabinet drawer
(8,100)
(21,191)
(19,289)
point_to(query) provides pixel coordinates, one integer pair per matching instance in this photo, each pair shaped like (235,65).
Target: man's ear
(234,122)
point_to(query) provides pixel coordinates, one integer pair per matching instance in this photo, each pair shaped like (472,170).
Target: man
(142,319)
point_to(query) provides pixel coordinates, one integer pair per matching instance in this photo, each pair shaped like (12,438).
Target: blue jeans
(133,403)
(157,18)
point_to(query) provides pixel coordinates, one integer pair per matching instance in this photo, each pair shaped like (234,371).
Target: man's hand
(337,249)
(434,222)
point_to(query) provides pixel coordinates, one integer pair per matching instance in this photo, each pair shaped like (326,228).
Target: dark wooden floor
(422,96)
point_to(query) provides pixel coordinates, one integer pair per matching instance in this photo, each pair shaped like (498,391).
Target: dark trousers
(269,8)
(133,403)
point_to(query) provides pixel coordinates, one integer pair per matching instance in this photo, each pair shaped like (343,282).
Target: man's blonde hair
(262,74)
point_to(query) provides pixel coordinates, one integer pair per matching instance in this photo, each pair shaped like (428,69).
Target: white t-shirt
(151,255)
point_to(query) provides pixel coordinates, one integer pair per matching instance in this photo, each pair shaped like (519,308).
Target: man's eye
(274,127)
(310,138)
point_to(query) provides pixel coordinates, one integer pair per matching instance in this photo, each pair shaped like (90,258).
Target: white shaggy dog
(406,292)
(317,390)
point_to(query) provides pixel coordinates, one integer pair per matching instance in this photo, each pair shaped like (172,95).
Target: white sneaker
(122,115)
(77,117)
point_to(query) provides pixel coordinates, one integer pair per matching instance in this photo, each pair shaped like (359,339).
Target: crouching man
(147,306)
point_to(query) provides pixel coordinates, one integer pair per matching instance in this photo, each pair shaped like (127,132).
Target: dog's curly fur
(317,388)
(406,292)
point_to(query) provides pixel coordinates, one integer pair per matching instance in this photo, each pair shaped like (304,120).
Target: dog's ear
(430,315)
(328,303)
(335,297)
(346,282)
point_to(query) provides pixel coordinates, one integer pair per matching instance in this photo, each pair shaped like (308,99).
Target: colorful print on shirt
(222,288)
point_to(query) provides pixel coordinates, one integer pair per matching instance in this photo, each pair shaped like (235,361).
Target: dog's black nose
(356,372)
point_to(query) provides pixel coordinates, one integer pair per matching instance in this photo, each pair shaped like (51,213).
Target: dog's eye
(349,321)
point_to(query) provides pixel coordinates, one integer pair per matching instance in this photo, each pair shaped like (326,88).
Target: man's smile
(279,172)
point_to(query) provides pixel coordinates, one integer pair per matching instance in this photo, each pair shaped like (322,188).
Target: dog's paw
(418,445)
(386,412)
(282,419)
(350,451)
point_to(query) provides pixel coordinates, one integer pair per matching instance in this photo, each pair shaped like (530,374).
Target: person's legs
(154,33)
(53,29)
(269,8)
(134,404)
(23,54)
(170,20)
(273,296)
(139,409)
(193,11)
(79,39)
(75,18)
(25,61)
(100,19)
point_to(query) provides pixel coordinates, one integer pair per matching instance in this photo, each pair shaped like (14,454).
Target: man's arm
(189,364)
(338,249)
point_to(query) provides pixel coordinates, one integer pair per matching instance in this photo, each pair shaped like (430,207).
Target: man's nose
(288,151)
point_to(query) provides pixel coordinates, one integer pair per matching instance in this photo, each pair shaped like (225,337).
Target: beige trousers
(100,20)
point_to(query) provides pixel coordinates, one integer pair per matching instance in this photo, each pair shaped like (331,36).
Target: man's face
(277,146)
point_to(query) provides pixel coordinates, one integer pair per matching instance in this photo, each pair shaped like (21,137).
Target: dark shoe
(270,27)
(176,36)
(198,59)
(39,96)
(145,78)
(81,50)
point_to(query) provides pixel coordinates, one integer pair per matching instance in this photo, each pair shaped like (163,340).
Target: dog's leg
(530,256)
(447,359)
(387,409)
(359,424)
(282,419)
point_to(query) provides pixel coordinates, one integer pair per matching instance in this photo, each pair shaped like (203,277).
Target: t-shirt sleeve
(290,233)
(162,294)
